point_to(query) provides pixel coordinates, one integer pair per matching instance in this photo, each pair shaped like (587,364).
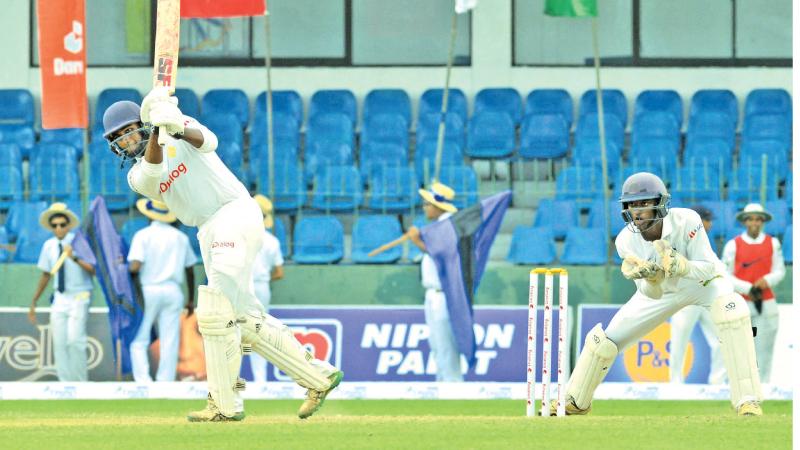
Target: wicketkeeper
(667,254)
(188,176)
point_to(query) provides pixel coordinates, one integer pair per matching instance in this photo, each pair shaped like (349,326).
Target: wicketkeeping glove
(635,268)
(166,114)
(158,94)
(674,264)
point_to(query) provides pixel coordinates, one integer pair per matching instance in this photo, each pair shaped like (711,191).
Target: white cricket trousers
(258,364)
(681,326)
(163,304)
(68,315)
(441,339)
(766,325)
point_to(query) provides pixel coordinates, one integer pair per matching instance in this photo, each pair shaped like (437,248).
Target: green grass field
(373,424)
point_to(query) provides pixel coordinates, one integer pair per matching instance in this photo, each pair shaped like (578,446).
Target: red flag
(62,62)
(222,8)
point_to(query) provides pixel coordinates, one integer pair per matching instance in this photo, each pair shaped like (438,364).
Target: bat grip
(162,135)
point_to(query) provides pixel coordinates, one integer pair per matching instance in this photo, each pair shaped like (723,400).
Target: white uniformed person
(162,258)
(189,177)
(682,323)
(667,254)
(73,289)
(268,267)
(438,205)
(754,262)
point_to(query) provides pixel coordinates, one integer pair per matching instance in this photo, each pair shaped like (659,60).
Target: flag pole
(603,158)
(445,95)
(268,65)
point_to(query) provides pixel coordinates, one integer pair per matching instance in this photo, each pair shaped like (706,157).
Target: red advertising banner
(62,63)
(217,8)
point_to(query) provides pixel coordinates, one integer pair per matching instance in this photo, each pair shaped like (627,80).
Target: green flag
(571,8)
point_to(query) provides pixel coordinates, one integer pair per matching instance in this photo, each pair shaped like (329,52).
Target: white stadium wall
(491,66)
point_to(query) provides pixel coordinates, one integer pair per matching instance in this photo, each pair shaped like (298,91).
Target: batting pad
(596,358)
(222,344)
(275,342)
(732,318)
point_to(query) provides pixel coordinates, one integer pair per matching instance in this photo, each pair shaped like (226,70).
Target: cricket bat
(165,57)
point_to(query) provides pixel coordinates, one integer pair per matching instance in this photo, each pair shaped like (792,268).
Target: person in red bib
(755,262)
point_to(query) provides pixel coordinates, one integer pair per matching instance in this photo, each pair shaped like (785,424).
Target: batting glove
(674,264)
(166,114)
(158,94)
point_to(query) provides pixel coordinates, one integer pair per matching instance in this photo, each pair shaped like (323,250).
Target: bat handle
(162,135)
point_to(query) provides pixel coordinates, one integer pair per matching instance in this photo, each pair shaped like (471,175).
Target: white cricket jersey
(430,275)
(194,182)
(75,278)
(268,257)
(164,252)
(772,278)
(683,228)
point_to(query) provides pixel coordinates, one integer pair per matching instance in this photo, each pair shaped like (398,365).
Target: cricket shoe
(750,408)
(212,414)
(314,398)
(570,408)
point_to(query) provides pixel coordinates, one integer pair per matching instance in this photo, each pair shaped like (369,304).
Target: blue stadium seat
(656,124)
(579,183)
(587,153)
(337,188)
(715,100)
(752,152)
(22,215)
(17,106)
(388,101)
(29,244)
(53,179)
(108,179)
(550,101)
(58,153)
(10,156)
(5,255)
(188,102)
(191,233)
(655,155)
(11,186)
(385,127)
(724,213)
(425,158)
(285,131)
(585,246)
(290,192)
(279,231)
(225,125)
(768,101)
(787,243)
(746,185)
(659,100)
(768,126)
(698,182)
(544,136)
(231,154)
(69,136)
(130,227)
(394,189)
(428,128)
(22,136)
(781,217)
(284,102)
(490,135)
(598,220)
(587,129)
(330,127)
(339,101)
(227,101)
(711,152)
(318,240)
(614,104)
(377,157)
(431,103)
(787,190)
(558,215)
(370,232)
(532,245)
(413,253)
(326,154)
(505,100)
(464,181)
(110,96)
(711,126)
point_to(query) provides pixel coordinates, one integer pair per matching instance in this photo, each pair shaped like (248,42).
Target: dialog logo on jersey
(321,337)
(173,175)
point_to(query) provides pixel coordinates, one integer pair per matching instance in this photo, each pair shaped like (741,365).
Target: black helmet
(644,186)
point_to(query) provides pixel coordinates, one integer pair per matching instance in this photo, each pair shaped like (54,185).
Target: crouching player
(667,254)
(195,184)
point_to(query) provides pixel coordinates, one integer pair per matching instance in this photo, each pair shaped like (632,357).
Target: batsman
(667,254)
(189,177)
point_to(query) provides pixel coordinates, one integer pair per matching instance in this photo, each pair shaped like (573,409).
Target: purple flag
(125,305)
(460,248)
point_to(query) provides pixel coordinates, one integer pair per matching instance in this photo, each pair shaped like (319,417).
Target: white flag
(463,6)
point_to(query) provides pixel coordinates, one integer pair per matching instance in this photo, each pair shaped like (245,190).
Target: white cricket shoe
(212,414)
(314,399)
